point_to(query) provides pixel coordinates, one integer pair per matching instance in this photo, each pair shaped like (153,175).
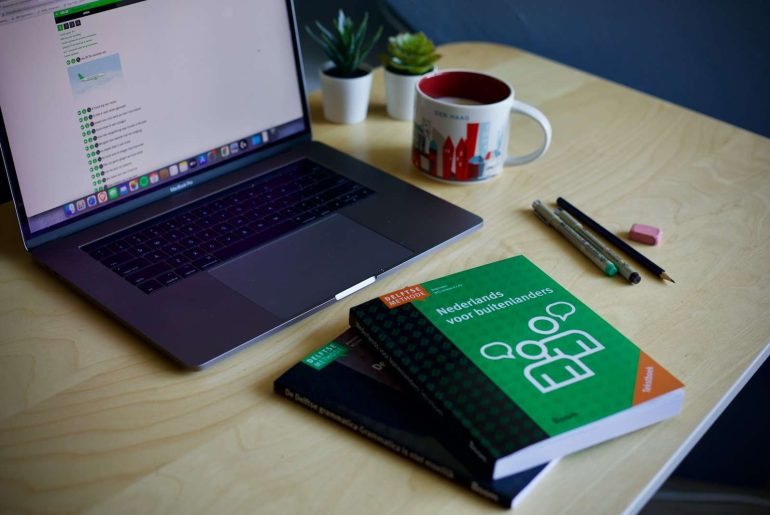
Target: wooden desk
(92,420)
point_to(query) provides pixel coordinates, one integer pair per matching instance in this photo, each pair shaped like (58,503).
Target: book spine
(460,439)
(463,480)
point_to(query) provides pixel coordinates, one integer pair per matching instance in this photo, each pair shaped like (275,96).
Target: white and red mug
(461,126)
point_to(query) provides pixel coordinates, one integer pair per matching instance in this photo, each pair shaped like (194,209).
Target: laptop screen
(107,100)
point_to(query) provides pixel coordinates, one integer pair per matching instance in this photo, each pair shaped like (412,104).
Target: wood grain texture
(92,420)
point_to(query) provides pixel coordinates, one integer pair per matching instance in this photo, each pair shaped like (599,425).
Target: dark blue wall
(712,56)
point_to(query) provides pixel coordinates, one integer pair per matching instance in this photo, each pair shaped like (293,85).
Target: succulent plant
(410,54)
(345,44)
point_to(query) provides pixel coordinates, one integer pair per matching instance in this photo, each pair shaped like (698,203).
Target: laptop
(161,162)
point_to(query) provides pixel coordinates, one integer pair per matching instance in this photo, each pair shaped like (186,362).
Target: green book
(519,369)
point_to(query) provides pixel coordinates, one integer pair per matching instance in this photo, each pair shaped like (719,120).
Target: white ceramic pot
(399,92)
(345,100)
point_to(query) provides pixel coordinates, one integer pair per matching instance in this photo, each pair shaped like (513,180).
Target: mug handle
(539,117)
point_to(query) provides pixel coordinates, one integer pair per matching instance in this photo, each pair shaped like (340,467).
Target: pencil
(622,245)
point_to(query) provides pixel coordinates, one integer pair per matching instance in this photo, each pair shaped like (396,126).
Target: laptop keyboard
(181,243)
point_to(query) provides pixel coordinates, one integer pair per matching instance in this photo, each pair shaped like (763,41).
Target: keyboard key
(130,266)
(168,278)
(191,229)
(150,286)
(177,261)
(147,273)
(155,256)
(118,246)
(194,253)
(100,253)
(189,241)
(186,270)
(205,262)
(117,259)
(211,246)
(208,234)
(141,249)
(173,249)
(174,235)
(157,242)
(228,239)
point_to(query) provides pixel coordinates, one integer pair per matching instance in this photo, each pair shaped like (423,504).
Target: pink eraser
(645,234)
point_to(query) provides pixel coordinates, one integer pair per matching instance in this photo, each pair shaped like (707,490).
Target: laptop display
(108,100)
(161,162)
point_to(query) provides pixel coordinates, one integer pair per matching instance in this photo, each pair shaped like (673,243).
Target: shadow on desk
(728,471)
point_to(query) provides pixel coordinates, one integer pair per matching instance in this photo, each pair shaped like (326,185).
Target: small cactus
(410,54)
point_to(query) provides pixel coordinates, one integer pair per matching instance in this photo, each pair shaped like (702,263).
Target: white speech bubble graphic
(566,315)
(508,354)
(542,349)
(533,325)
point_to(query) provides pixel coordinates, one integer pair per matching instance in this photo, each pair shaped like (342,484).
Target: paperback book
(519,369)
(348,382)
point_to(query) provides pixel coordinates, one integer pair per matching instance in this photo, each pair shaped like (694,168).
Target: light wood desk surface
(92,420)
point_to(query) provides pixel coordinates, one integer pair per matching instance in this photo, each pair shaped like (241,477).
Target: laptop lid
(108,105)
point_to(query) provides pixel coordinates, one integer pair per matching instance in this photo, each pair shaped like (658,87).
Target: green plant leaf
(345,44)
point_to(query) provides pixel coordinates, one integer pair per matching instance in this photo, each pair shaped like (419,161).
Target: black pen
(622,245)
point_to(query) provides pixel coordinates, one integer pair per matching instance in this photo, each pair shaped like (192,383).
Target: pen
(547,216)
(624,269)
(622,245)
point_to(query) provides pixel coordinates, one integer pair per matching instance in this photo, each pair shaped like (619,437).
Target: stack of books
(485,376)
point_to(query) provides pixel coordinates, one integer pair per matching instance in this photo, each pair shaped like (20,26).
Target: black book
(348,382)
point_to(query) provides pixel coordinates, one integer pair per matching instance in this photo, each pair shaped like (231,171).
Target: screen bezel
(110,211)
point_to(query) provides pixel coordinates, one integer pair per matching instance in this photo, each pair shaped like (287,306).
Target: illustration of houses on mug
(465,159)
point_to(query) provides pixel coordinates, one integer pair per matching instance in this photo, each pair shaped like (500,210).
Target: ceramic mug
(461,126)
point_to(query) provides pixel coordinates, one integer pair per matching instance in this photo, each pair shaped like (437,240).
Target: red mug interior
(464,84)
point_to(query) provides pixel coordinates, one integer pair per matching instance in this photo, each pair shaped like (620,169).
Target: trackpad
(309,267)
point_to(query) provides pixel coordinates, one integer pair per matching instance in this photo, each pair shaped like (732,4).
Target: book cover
(349,383)
(520,369)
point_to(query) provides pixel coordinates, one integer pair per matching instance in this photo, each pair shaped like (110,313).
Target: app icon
(123,189)
(212,155)
(144,181)
(91,200)
(234,148)
(264,134)
(80,204)
(202,159)
(243,144)
(154,178)
(69,209)
(113,193)
(183,167)
(224,151)
(102,196)
(192,163)
(163,174)
(173,170)
(256,140)
(133,184)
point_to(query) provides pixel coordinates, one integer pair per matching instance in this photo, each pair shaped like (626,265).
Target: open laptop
(160,160)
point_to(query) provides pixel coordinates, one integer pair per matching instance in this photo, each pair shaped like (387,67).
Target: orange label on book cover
(652,380)
(406,295)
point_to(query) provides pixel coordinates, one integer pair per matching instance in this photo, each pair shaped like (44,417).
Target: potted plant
(409,57)
(346,80)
